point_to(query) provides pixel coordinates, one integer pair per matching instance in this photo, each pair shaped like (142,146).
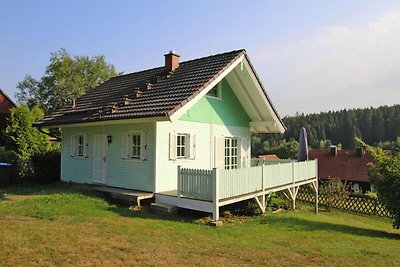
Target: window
(78,145)
(231,153)
(134,145)
(182,146)
(215,91)
(181,141)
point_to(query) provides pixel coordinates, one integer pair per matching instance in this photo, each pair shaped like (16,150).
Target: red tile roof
(345,165)
(270,156)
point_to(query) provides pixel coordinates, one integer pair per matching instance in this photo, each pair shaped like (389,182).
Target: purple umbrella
(303,146)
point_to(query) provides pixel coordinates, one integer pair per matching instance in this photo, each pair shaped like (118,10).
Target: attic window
(215,92)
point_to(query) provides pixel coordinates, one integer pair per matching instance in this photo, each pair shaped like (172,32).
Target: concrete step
(163,208)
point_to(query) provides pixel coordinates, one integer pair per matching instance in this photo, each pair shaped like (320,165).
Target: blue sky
(311,55)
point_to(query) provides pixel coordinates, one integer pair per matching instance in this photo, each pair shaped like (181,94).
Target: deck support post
(178,191)
(215,194)
(261,204)
(314,186)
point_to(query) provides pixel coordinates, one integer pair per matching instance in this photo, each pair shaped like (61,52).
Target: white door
(99,172)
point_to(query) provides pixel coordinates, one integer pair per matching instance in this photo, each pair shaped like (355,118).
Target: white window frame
(129,143)
(218,91)
(136,146)
(231,153)
(79,146)
(182,147)
(176,146)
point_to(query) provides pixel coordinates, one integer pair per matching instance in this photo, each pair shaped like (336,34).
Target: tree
(22,138)
(66,78)
(384,174)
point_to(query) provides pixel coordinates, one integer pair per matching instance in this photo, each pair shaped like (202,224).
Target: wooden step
(163,208)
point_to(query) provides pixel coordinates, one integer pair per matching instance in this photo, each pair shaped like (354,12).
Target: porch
(208,190)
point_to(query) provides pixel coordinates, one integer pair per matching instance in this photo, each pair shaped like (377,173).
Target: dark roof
(6,102)
(129,96)
(345,165)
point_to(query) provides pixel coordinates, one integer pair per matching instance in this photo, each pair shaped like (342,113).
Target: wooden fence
(196,184)
(360,204)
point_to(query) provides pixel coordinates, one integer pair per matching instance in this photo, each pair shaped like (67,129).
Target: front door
(99,172)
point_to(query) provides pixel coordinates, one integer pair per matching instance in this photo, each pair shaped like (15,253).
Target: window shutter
(124,147)
(172,146)
(143,145)
(219,145)
(85,146)
(72,145)
(192,147)
(244,152)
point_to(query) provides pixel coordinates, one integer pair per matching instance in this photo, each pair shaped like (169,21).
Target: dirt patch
(15,218)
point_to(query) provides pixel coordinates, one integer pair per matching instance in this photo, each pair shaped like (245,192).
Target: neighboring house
(5,105)
(269,157)
(133,130)
(348,165)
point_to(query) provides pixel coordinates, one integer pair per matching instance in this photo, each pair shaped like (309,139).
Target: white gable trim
(178,111)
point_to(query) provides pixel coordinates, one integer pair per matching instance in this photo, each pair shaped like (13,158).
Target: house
(269,157)
(145,129)
(350,166)
(5,105)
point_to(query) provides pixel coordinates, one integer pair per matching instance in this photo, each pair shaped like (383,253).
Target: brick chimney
(171,61)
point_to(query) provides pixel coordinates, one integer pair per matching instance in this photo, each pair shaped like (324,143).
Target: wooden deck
(128,196)
(208,190)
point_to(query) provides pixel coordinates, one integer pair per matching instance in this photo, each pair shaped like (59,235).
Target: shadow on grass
(298,224)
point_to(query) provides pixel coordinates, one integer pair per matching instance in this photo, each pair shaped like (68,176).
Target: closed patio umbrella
(302,155)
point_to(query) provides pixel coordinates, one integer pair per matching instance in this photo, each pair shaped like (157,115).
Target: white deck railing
(219,184)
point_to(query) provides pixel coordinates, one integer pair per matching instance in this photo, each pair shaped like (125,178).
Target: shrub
(276,201)
(243,208)
(46,166)
(371,195)
(8,156)
(384,174)
(333,189)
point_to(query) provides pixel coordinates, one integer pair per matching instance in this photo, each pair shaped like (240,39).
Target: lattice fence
(360,204)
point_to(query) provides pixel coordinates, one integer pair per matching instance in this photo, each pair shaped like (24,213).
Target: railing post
(178,191)
(215,194)
(316,186)
(293,188)
(262,177)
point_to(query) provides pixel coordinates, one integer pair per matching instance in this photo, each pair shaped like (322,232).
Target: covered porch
(208,190)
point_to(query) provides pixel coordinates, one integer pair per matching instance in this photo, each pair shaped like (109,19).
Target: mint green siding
(134,174)
(224,111)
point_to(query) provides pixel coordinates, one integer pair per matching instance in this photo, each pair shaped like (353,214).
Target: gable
(5,103)
(224,111)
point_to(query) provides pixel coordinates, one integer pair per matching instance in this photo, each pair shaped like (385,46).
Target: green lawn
(58,225)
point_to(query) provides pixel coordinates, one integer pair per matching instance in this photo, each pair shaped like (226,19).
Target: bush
(8,156)
(243,208)
(333,189)
(277,201)
(46,166)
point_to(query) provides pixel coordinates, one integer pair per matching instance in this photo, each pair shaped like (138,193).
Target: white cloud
(341,68)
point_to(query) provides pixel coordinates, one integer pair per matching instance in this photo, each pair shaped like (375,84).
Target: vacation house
(167,131)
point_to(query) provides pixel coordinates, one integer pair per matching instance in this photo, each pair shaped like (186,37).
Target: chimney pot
(359,152)
(171,61)
(333,151)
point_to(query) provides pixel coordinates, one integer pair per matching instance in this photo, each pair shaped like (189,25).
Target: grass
(59,225)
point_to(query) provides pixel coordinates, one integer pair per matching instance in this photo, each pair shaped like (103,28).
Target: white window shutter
(192,148)
(172,146)
(124,147)
(72,145)
(219,151)
(244,150)
(143,145)
(85,145)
